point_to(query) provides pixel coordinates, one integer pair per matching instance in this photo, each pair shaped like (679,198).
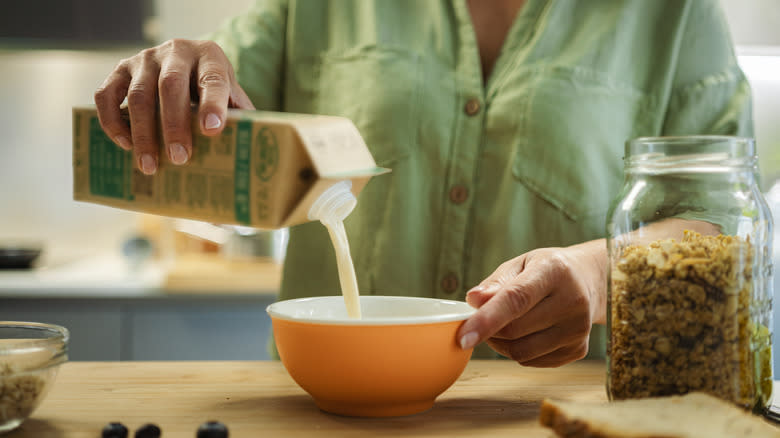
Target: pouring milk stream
(331,208)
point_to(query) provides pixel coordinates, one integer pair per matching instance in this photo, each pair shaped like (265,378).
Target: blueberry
(114,430)
(212,429)
(148,431)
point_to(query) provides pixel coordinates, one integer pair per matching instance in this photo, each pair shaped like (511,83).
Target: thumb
(511,302)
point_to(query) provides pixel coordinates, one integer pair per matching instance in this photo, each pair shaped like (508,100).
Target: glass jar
(690,291)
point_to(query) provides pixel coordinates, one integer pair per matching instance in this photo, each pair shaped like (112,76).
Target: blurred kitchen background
(186,297)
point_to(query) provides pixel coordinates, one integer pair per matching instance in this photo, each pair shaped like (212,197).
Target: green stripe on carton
(110,167)
(242,173)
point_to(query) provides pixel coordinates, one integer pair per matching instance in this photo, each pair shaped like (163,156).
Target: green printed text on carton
(110,167)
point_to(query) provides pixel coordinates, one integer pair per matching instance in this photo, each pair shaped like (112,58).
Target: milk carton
(265,169)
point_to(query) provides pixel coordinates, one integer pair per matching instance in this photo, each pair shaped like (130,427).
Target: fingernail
(123,142)
(178,153)
(469,340)
(212,121)
(148,164)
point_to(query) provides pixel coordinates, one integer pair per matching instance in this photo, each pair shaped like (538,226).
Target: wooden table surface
(259,399)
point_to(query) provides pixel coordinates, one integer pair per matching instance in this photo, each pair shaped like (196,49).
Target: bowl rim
(58,341)
(465,311)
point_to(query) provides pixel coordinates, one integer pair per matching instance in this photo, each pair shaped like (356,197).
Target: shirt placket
(459,190)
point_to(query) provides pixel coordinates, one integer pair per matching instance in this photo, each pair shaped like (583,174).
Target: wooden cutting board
(258,399)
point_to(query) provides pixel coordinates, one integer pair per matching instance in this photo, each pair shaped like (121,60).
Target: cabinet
(180,327)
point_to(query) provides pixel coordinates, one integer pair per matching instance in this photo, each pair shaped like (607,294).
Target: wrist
(594,262)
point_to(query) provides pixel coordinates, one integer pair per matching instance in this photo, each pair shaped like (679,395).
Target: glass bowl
(30,355)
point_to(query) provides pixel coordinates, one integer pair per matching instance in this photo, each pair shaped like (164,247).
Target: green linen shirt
(482,171)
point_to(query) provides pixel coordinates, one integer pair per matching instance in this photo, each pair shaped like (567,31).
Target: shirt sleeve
(710,93)
(254,43)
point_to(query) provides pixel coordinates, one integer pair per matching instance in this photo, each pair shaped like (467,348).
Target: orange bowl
(393,361)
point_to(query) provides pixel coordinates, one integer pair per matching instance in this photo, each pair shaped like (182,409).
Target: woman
(503,122)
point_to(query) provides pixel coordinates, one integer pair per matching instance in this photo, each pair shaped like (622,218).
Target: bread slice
(695,415)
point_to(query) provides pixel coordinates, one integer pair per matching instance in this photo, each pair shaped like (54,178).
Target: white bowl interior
(376,310)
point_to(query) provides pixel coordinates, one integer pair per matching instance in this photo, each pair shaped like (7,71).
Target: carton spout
(334,204)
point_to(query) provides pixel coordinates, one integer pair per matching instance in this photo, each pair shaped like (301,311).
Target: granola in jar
(681,321)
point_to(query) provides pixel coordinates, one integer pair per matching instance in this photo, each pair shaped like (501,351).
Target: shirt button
(459,194)
(472,107)
(449,283)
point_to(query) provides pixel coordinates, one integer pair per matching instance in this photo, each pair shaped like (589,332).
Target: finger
(512,302)
(108,98)
(541,317)
(239,99)
(559,357)
(477,298)
(540,344)
(503,275)
(530,347)
(142,102)
(568,329)
(175,112)
(569,308)
(213,85)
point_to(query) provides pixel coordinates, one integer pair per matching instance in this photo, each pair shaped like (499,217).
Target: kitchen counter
(258,398)
(111,276)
